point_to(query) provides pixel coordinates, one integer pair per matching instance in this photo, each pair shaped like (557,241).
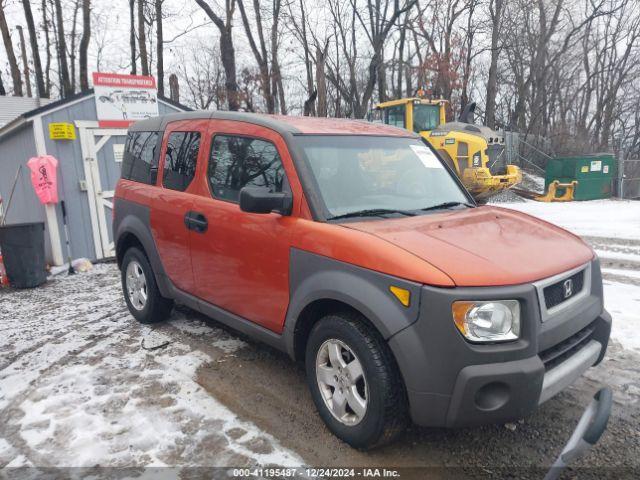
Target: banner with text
(124,99)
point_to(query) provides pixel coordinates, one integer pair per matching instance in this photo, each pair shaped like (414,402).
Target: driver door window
(237,162)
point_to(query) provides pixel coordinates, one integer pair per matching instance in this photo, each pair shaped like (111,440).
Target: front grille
(563,290)
(552,357)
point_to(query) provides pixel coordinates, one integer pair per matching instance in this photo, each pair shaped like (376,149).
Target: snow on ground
(618,219)
(77,388)
(612,227)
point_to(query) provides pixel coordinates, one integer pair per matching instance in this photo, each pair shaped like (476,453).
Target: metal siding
(16,149)
(71,170)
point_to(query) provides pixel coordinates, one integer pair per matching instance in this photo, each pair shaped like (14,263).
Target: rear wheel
(355,382)
(140,290)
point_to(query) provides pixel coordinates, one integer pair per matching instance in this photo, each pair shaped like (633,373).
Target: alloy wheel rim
(136,285)
(342,383)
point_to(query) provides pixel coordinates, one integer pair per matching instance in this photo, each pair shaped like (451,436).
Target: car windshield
(378,175)
(425,117)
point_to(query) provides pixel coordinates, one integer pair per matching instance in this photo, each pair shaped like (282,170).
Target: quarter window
(140,162)
(180,160)
(237,162)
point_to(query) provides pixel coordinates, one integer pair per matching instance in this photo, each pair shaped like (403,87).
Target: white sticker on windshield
(426,156)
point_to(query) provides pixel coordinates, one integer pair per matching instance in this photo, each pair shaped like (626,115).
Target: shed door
(102,150)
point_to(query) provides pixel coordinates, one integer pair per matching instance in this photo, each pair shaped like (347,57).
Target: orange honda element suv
(354,248)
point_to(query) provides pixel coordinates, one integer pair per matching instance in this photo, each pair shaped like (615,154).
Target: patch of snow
(601,218)
(621,271)
(83,392)
(623,302)
(613,255)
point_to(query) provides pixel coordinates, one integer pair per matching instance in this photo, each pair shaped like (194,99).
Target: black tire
(157,308)
(386,414)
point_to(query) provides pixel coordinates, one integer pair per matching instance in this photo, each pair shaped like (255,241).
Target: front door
(241,261)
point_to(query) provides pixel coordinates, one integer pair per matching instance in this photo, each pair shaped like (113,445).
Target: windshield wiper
(445,205)
(374,212)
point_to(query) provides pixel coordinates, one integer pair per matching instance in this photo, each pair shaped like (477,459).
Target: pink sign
(44,178)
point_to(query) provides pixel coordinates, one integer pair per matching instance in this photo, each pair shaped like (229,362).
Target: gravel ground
(81,384)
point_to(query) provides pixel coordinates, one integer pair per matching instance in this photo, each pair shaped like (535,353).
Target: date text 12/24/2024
(307,472)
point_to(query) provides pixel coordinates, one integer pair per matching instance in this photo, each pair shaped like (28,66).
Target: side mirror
(261,200)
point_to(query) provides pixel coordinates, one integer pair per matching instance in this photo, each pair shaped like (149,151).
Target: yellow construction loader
(475,152)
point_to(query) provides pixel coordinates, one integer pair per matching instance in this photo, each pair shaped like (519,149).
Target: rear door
(241,262)
(172,207)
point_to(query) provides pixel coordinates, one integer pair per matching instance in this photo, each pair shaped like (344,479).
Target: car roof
(280,123)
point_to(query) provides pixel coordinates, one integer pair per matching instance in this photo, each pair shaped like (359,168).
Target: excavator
(474,152)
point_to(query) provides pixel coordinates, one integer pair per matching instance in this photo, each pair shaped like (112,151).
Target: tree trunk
(25,61)
(65,80)
(159,47)
(227,52)
(492,83)
(11,56)
(228,57)
(84,45)
(321,82)
(35,52)
(47,40)
(132,36)
(142,40)
(174,88)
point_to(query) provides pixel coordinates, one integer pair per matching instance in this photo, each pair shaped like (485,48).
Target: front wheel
(355,383)
(140,290)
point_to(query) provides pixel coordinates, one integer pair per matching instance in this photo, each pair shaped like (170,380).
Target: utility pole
(25,60)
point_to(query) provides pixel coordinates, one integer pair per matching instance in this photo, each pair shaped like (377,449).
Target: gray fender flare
(314,277)
(134,219)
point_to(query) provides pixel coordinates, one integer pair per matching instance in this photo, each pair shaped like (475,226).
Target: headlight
(476,159)
(490,321)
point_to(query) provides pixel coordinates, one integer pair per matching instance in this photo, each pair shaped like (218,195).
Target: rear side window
(180,160)
(140,162)
(238,162)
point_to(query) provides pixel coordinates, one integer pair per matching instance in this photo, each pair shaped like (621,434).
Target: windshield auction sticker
(426,156)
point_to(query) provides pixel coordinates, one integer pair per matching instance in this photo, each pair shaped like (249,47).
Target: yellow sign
(585,169)
(62,131)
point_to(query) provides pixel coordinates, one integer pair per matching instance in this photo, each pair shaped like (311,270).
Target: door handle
(196,221)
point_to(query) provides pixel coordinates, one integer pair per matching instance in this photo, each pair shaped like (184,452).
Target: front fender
(315,277)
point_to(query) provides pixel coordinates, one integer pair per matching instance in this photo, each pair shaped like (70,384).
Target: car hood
(484,246)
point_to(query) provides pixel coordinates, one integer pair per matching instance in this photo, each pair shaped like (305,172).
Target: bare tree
(84,44)
(174,88)
(25,61)
(159,47)
(132,36)
(35,51)
(11,56)
(65,79)
(142,39)
(227,51)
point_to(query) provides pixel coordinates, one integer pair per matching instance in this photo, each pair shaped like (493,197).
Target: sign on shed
(62,131)
(124,99)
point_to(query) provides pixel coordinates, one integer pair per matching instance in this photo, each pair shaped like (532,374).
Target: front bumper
(452,383)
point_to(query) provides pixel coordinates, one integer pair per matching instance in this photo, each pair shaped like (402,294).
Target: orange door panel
(170,208)
(241,262)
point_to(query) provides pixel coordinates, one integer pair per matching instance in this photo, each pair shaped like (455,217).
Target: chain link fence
(628,177)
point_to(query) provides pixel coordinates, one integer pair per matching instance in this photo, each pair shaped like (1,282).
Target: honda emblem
(568,288)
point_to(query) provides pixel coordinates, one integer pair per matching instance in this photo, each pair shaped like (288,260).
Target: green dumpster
(594,173)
